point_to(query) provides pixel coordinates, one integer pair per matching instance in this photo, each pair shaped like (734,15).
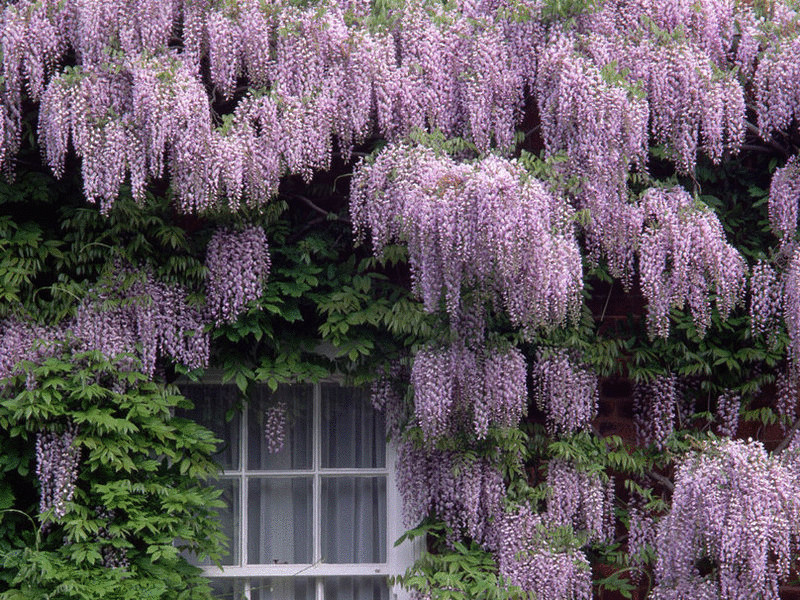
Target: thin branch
(755,148)
(662,480)
(313,206)
(789,436)
(610,288)
(769,138)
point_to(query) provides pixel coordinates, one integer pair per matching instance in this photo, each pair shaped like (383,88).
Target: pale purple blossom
(57,459)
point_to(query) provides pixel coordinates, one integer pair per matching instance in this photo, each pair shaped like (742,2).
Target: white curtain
(297,452)
(356,588)
(354,519)
(353,433)
(294,588)
(279,528)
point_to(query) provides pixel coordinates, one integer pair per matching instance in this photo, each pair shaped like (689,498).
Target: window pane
(295,588)
(279,513)
(353,433)
(354,519)
(227,589)
(356,588)
(297,448)
(211,403)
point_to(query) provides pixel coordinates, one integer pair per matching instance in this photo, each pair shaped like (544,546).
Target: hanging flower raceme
(238,265)
(526,559)
(57,459)
(766,300)
(566,391)
(275,427)
(641,533)
(484,224)
(467,494)
(654,406)
(788,388)
(580,499)
(457,388)
(728,405)
(388,396)
(784,197)
(602,129)
(737,507)
(684,258)
(22,339)
(137,315)
(791,308)
(778,74)
(90,108)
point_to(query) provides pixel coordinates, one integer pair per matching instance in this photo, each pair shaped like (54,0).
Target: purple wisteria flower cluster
(130,314)
(728,405)
(602,128)
(238,265)
(788,397)
(336,71)
(641,533)
(525,558)
(784,196)
(22,339)
(144,319)
(457,388)
(486,224)
(684,258)
(327,70)
(654,405)
(565,390)
(766,300)
(581,500)
(791,308)
(388,396)
(737,507)
(57,460)
(275,427)
(467,494)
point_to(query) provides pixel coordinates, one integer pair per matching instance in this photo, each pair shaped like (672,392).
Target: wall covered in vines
(490,211)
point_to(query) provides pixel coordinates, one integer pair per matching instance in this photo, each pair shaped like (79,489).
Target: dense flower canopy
(518,151)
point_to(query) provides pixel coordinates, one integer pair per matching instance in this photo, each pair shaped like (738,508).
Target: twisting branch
(662,480)
(769,139)
(789,436)
(313,206)
(328,215)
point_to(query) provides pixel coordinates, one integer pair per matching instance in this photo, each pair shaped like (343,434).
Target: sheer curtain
(356,588)
(280,509)
(353,433)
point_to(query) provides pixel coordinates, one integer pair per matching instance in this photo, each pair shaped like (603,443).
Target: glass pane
(227,589)
(231,523)
(356,588)
(211,403)
(293,588)
(297,451)
(279,520)
(354,519)
(353,433)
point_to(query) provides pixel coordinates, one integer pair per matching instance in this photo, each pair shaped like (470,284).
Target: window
(316,520)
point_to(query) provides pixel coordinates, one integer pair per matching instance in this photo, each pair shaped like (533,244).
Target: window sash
(398,558)
(316,475)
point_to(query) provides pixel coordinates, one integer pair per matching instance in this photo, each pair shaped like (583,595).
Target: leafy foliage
(140,486)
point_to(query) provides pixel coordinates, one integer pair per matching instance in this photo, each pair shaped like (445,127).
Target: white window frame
(398,558)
